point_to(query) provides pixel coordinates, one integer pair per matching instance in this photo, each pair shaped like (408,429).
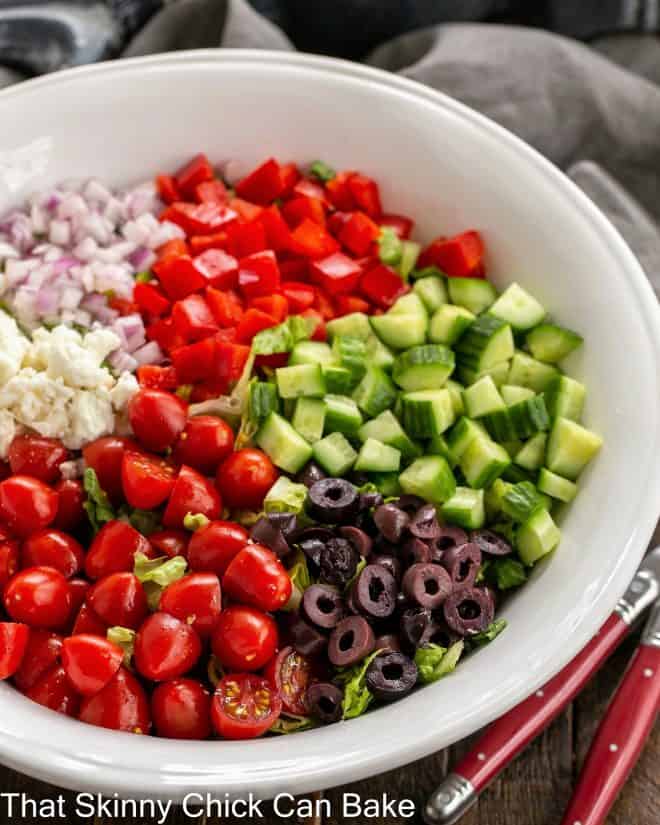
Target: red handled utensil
(503,740)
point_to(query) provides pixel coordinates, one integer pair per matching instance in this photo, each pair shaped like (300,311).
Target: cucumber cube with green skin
(426,413)
(286,448)
(537,537)
(475,294)
(338,380)
(425,367)
(342,415)
(494,498)
(376,457)
(498,373)
(521,420)
(430,478)
(482,398)
(439,446)
(350,353)
(375,393)
(516,474)
(311,352)
(565,397)
(483,461)
(409,304)
(532,453)
(512,395)
(355,325)
(448,323)
(456,392)
(570,448)
(335,454)
(518,308)
(486,342)
(262,400)
(550,343)
(302,379)
(309,418)
(378,355)
(432,291)
(521,500)
(555,486)
(465,508)
(409,253)
(386,483)
(513,447)
(386,428)
(462,435)
(526,371)
(400,331)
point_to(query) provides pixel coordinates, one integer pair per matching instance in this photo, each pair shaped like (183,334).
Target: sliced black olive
(389,641)
(427,584)
(370,500)
(375,592)
(323,606)
(350,641)
(358,538)
(462,563)
(312,548)
(324,701)
(365,522)
(390,563)
(438,633)
(391,676)
(449,537)
(351,604)
(265,532)
(391,521)
(415,622)
(333,501)
(424,524)
(469,610)
(339,561)
(305,638)
(409,503)
(415,551)
(491,543)
(287,522)
(310,474)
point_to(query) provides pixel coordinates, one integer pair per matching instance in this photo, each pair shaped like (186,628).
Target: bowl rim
(106,767)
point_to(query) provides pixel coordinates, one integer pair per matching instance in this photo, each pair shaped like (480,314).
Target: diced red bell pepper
(358,233)
(153,377)
(277,306)
(227,335)
(207,390)
(246,210)
(294,269)
(299,295)
(164,333)
(218,240)
(230,361)
(337,220)
(253,322)
(150,299)
(225,306)
(382,286)
(179,276)
(459,257)
(312,241)
(402,225)
(199,218)
(196,171)
(277,359)
(366,194)
(346,304)
(211,191)
(172,249)
(337,273)
(290,175)
(167,189)
(219,268)
(310,189)
(259,274)
(195,362)
(323,305)
(340,193)
(193,318)
(123,306)
(320,333)
(263,184)
(278,234)
(300,208)
(247,238)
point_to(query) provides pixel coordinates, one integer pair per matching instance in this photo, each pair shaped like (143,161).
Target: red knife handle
(619,740)
(506,737)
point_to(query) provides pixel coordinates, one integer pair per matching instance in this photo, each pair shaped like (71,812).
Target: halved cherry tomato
(53,548)
(119,599)
(114,548)
(90,662)
(38,597)
(170,543)
(88,622)
(195,599)
(34,455)
(263,184)
(245,478)
(165,647)
(157,418)
(27,504)
(291,673)
(41,654)
(197,171)
(79,588)
(105,456)
(212,548)
(192,493)
(257,577)
(121,705)
(14,638)
(147,480)
(53,690)
(244,706)
(70,511)
(181,709)
(9,561)
(204,444)
(244,638)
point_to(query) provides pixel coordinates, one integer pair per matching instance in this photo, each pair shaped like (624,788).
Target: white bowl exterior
(450,169)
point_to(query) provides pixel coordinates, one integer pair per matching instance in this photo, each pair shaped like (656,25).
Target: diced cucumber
(430,478)
(338,380)
(513,447)
(309,418)
(409,304)
(375,392)
(516,474)
(262,400)
(520,501)
(456,392)
(537,537)
(439,446)
(425,367)
(342,415)
(432,291)
(426,413)
(494,498)
(355,325)
(551,343)
(400,331)
(285,447)
(386,428)
(531,454)
(409,253)
(448,323)
(334,454)
(565,397)
(483,461)
(351,353)
(498,373)
(311,352)
(465,508)
(376,457)
(475,294)
(526,371)
(512,395)
(378,354)
(389,246)
(303,379)
(518,308)
(386,483)
(521,420)
(555,486)
(462,435)
(482,398)
(570,448)
(486,342)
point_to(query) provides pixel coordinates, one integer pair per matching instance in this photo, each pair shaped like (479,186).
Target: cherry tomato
(192,493)
(244,706)
(88,622)
(113,549)
(41,654)
(195,599)
(204,444)
(78,589)
(256,576)
(181,709)
(36,456)
(90,662)
(291,673)
(214,546)
(52,548)
(119,599)
(39,597)
(244,638)
(245,478)
(158,418)
(53,690)
(170,543)
(9,561)
(121,705)
(165,647)
(27,504)
(70,511)
(147,480)
(14,638)
(105,457)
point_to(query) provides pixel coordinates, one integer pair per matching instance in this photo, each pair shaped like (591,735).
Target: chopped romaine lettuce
(433,662)
(157,574)
(491,632)
(124,637)
(291,723)
(357,696)
(285,496)
(97,506)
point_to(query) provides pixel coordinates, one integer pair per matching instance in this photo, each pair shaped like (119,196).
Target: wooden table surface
(533,791)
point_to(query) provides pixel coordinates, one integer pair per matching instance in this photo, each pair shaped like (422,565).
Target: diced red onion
(150,353)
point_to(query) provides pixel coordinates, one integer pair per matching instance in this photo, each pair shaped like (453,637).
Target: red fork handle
(619,740)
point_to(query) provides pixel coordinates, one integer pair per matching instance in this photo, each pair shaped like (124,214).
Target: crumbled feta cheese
(8,430)
(13,346)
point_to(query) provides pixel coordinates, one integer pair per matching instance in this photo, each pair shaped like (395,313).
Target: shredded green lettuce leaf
(508,573)
(124,637)
(157,574)
(322,171)
(433,662)
(97,506)
(285,496)
(300,580)
(491,632)
(195,521)
(357,696)
(143,277)
(291,723)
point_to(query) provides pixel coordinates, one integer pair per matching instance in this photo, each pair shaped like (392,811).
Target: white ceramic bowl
(451,169)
